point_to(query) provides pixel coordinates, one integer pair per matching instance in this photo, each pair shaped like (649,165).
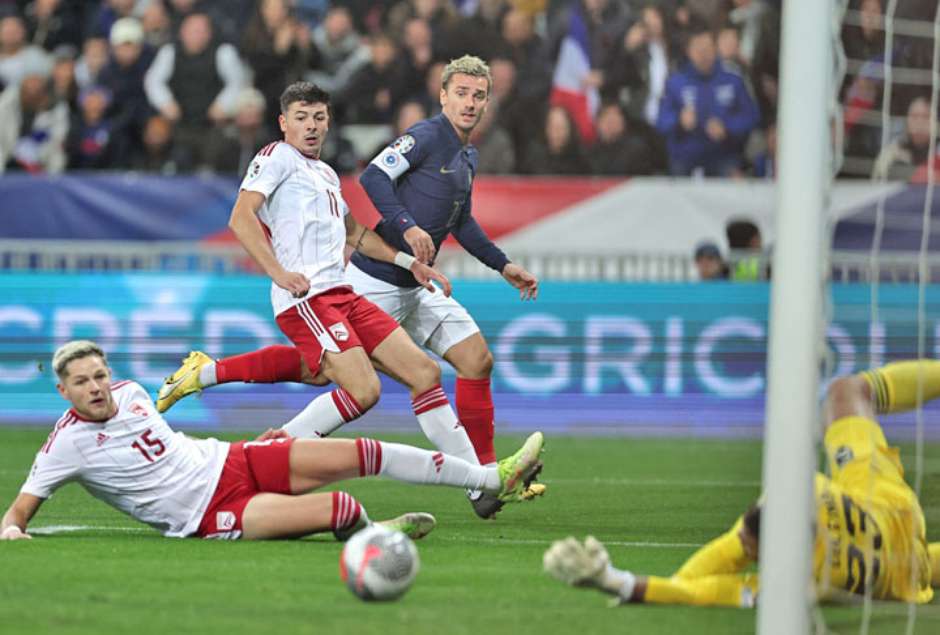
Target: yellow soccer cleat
(185,381)
(517,471)
(415,525)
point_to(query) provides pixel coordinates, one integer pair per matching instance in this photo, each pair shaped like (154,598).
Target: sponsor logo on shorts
(843,455)
(340,334)
(225,521)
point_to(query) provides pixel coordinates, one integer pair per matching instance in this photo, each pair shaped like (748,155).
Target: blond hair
(467,65)
(70,351)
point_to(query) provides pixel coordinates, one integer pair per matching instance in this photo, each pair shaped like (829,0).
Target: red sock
(475,411)
(370,456)
(268,365)
(346,511)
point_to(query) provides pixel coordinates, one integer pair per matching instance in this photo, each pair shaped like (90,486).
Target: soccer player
(291,217)
(421,185)
(114,442)
(870,531)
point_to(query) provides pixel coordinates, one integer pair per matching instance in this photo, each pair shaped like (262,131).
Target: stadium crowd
(682,87)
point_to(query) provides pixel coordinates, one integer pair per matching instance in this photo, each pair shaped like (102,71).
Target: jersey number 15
(150,443)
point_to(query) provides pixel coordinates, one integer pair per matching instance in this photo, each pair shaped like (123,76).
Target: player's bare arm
(13,526)
(370,244)
(247,229)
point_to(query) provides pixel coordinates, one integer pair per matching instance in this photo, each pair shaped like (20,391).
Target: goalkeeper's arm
(588,565)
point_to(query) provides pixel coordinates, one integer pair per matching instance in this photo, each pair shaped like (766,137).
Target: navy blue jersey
(424,178)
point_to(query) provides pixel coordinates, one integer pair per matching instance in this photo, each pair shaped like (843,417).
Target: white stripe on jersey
(305,212)
(134,462)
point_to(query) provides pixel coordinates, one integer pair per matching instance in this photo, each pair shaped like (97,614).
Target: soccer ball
(378,563)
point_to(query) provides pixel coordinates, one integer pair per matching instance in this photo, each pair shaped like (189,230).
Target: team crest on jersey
(138,409)
(843,455)
(403,144)
(340,334)
(328,174)
(225,521)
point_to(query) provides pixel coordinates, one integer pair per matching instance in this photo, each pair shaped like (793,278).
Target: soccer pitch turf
(653,501)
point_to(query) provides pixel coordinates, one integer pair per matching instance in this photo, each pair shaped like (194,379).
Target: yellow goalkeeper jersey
(870,530)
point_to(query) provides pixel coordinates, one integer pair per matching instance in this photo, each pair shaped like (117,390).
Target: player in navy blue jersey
(421,185)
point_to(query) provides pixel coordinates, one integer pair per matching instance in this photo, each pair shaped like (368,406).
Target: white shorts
(431,319)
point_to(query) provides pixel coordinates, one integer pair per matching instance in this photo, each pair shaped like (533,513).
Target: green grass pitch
(651,500)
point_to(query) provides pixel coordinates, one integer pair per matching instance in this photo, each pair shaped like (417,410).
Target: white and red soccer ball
(378,563)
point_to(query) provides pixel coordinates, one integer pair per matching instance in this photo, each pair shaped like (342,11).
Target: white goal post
(796,318)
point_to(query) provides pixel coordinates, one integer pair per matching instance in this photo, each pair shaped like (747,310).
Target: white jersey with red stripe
(134,462)
(304,215)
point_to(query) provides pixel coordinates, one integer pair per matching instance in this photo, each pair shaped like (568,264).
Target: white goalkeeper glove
(575,564)
(588,565)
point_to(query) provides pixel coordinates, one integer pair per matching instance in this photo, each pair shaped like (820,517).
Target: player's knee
(849,388)
(425,375)
(484,364)
(366,392)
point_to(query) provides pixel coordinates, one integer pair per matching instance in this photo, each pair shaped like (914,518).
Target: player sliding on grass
(291,217)
(870,532)
(113,442)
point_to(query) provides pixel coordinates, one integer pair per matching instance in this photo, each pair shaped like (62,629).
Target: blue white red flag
(569,83)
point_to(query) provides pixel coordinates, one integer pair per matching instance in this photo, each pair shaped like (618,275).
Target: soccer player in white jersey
(120,449)
(338,335)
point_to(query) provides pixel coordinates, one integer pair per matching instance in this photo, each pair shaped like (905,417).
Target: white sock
(441,426)
(320,418)
(207,376)
(414,465)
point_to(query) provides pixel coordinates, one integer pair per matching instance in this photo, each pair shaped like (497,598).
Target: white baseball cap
(126,30)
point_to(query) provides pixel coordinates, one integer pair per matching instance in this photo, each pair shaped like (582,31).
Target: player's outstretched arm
(587,565)
(247,229)
(13,526)
(370,244)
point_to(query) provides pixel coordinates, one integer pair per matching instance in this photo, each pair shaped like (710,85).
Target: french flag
(569,89)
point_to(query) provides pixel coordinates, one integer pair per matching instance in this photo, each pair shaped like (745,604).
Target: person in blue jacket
(421,185)
(706,113)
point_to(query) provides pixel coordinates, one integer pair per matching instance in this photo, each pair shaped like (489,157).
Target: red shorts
(250,468)
(335,321)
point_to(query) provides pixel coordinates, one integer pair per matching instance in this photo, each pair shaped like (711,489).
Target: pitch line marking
(651,482)
(48,530)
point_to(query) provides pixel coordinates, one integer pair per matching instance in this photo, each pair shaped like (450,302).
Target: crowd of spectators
(686,87)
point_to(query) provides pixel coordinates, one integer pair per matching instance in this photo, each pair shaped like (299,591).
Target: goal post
(796,318)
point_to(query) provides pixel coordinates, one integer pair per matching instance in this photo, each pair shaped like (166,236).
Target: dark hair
(740,233)
(303,91)
(752,520)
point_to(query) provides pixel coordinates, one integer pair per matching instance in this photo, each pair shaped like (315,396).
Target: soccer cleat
(185,381)
(415,525)
(486,505)
(533,491)
(518,470)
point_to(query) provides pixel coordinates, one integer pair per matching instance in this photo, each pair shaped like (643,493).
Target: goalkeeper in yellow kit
(870,531)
